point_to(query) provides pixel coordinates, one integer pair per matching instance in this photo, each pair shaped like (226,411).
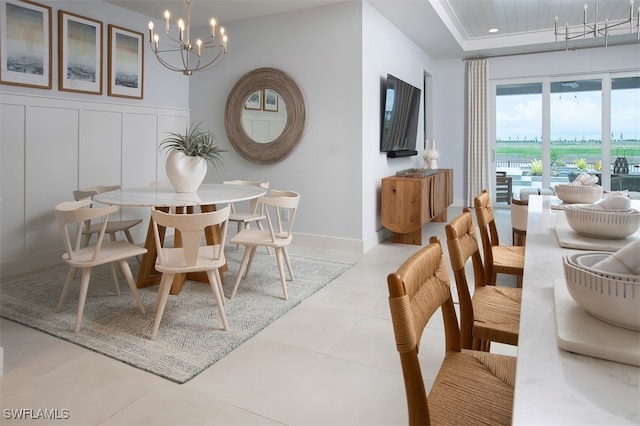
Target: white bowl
(571,194)
(586,261)
(607,224)
(611,300)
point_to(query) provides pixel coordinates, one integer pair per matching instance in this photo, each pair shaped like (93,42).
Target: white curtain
(477,129)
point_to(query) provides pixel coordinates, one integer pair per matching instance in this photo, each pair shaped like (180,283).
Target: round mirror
(265,115)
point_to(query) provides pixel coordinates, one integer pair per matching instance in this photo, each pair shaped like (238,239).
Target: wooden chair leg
(124,266)
(114,276)
(161,302)
(84,286)
(214,282)
(283,280)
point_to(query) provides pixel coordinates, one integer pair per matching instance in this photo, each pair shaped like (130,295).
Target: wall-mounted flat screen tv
(401,109)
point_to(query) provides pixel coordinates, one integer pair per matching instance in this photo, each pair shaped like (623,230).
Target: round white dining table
(164,197)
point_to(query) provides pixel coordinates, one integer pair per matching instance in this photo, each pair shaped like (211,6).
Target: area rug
(190,338)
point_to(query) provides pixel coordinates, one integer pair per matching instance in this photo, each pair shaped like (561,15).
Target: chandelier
(596,29)
(179,54)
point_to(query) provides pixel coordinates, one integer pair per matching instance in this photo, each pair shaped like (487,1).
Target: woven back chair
(498,259)
(491,314)
(471,387)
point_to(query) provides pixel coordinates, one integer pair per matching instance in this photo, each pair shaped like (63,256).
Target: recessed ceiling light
(493,30)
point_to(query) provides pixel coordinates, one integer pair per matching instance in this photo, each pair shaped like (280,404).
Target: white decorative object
(431,157)
(196,147)
(608,224)
(613,298)
(185,172)
(571,194)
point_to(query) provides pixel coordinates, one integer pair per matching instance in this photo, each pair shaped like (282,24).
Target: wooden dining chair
(471,387)
(244,219)
(492,313)
(276,236)
(498,259)
(190,256)
(71,217)
(114,226)
(519,213)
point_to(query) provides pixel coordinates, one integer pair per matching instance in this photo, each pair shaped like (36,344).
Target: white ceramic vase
(186,173)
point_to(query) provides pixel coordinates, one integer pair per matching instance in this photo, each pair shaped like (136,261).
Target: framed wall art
(25,44)
(270,100)
(126,63)
(80,53)
(254,101)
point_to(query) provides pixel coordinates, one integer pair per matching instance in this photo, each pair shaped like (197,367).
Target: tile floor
(329,361)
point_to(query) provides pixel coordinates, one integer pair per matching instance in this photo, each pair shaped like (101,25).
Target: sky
(573,115)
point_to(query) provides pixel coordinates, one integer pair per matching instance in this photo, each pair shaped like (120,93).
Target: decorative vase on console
(189,154)
(431,157)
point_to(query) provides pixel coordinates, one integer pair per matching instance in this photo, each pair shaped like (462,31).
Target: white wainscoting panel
(12,235)
(50,146)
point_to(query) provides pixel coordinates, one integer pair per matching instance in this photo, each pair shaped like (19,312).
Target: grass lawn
(566,152)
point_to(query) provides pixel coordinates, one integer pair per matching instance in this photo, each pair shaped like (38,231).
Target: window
(547,131)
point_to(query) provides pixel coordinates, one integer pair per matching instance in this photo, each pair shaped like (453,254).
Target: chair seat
(110,252)
(257,237)
(508,259)
(496,312)
(473,387)
(246,217)
(112,226)
(174,260)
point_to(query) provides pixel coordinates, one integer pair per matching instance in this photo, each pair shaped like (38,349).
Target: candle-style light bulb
(212,23)
(224,43)
(167,15)
(181,27)
(150,30)
(222,34)
(199,43)
(156,39)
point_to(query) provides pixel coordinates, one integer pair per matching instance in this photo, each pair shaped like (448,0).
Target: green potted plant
(188,156)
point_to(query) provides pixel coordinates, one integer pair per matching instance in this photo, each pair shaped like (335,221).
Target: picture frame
(254,101)
(80,53)
(25,44)
(270,100)
(125,63)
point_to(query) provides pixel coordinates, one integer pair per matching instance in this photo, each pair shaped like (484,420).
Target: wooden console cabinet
(410,202)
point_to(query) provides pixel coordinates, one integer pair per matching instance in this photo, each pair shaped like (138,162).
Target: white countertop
(553,386)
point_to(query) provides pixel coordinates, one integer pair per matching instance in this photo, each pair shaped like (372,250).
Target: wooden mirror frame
(291,94)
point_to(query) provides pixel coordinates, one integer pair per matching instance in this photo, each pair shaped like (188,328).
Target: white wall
(161,86)
(449,122)
(339,55)
(385,50)
(615,58)
(320,49)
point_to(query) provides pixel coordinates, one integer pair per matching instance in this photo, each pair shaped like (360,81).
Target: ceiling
(442,28)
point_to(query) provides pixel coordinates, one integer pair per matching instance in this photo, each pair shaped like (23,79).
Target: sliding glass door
(575,118)
(547,131)
(519,134)
(625,133)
